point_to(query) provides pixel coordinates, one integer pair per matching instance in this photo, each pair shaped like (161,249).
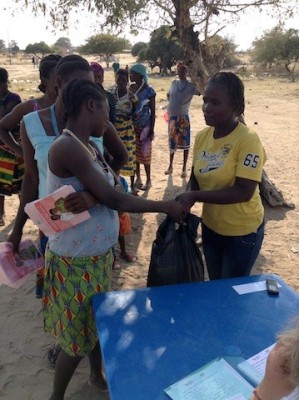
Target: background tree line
(275,48)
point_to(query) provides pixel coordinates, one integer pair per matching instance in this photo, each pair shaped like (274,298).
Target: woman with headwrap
(179,96)
(144,122)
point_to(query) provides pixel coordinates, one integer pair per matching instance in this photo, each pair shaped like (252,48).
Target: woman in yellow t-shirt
(228,159)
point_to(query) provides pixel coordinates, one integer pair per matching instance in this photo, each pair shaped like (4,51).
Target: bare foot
(98,382)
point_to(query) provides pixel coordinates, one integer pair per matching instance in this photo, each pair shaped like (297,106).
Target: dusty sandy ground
(272,108)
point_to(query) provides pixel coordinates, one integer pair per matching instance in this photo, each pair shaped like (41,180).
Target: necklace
(180,88)
(90,149)
(140,87)
(117,94)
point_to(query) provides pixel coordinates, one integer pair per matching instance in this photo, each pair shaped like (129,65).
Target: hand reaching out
(176,210)
(186,199)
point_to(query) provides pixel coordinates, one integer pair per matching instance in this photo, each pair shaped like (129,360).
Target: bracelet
(256,394)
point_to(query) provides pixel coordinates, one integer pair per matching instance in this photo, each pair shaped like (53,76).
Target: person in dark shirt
(11,166)
(98,71)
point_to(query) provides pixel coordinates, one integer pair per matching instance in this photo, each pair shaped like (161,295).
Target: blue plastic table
(152,337)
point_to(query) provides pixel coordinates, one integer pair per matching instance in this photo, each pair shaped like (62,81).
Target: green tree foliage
(105,45)
(13,47)
(137,47)
(278,46)
(223,50)
(162,51)
(62,46)
(195,21)
(38,49)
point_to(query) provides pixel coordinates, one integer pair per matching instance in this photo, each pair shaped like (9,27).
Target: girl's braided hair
(234,87)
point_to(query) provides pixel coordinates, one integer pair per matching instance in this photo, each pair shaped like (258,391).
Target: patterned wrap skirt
(69,286)
(179,132)
(11,172)
(142,158)
(127,135)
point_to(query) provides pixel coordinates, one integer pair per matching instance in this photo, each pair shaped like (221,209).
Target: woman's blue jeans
(231,256)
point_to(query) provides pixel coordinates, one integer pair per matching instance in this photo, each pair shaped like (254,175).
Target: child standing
(79,260)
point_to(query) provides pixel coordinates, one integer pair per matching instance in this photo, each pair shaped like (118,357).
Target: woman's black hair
(123,72)
(46,66)
(71,63)
(234,87)
(79,91)
(3,75)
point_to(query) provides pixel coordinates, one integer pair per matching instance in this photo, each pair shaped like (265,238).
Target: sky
(25,28)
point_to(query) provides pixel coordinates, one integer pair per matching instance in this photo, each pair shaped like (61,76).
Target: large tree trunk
(191,48)
(271,194)
(200,68)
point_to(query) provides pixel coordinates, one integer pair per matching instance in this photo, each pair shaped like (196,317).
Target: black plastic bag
(175,256)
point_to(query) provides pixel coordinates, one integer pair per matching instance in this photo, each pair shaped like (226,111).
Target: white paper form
(216,381)
(252,287)
(258,363)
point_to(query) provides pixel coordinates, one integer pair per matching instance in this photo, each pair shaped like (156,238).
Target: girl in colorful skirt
(79,260)
(11,166)
(179,97)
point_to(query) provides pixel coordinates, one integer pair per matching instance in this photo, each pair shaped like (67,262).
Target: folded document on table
(218,380)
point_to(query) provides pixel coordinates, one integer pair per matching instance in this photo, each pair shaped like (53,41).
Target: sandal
(116,264)
(168,171)
(138,184)
(147,186)
(134,191)
(128,257)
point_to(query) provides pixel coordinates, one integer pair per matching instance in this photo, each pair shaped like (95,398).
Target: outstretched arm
(9,122)
(242,191)
(192,184)
(67,155)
